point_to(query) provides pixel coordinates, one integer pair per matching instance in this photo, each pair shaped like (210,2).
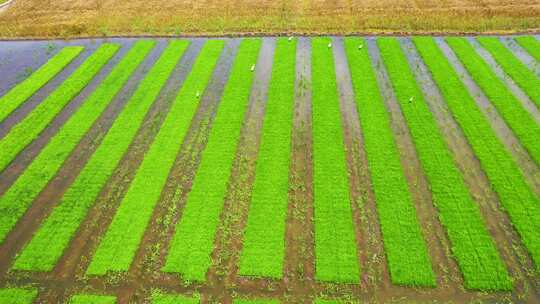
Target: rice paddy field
(270,170)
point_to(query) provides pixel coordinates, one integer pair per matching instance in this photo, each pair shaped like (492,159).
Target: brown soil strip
(497,222)
(154,246)
(78,255)
(27,155)
(522,54)
(229,237)
(299,265)
(505,134)
(448,277)
(52,192)
(527,103)
(62,289)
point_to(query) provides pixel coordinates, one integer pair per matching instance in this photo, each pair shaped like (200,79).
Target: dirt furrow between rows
(299,265)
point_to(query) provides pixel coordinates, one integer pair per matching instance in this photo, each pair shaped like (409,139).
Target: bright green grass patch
(264,240)
(92,299)
(517,70)
(335,243)
(17,295)
(21,92)
(31,126)
(403,241)
(192,244)
(161,298)
(517,117)
(531,45)
(472,245)
(20,195)
(116,251)
(516,196)
(44,250)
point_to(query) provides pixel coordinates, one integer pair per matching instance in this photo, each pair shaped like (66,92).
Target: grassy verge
(26,188)
(32,125)
(264,240)
(161,298)
(531,45)
(472,245)
(516,196)
(92,299)
(230,17)
(116,250)
(517,70)
(44,250)
(335,243)
(518,118)
(192,244)
(405,248)
(17,295)
(21,92)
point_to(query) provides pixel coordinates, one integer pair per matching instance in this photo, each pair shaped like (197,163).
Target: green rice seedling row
(32,125)
(162,298)
(517,70)
(192,244)
(17,295)
(116,250)
(516,195)
(531,45)
(264,240)
(402,236)
(515,115)
(21,92)
(472,245)
(54,235)
(43,168)
(92,299)
(335,243)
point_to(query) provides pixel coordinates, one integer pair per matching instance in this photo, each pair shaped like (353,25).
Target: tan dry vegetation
(75,18)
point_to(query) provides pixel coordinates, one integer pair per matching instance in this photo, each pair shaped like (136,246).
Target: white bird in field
(253,68)
(360,46)
(198,94)
(411,99)
(330,44)
(290,38)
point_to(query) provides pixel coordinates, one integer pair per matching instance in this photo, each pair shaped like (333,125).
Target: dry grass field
(74,18)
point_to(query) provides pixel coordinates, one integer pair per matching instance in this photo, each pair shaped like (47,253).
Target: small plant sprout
(253,68)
